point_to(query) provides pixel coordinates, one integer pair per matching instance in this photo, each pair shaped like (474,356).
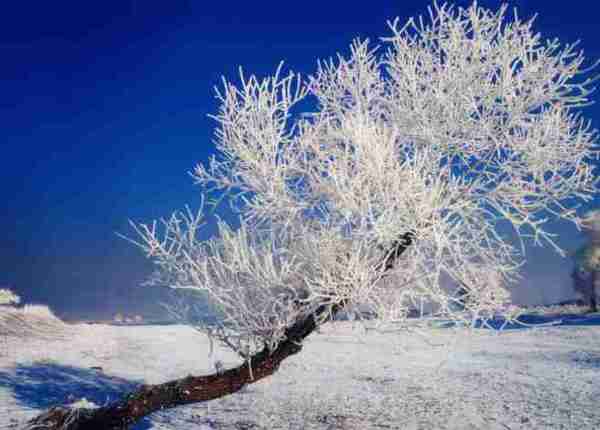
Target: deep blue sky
(103,111)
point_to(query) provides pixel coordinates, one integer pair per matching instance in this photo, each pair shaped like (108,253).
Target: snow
(544,377)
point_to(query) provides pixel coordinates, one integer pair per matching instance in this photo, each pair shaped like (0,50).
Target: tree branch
(193,389)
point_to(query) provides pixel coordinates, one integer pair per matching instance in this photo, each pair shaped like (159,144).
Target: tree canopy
(455,125)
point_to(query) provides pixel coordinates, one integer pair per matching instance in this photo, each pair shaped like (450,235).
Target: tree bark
(193,389)
(595,291)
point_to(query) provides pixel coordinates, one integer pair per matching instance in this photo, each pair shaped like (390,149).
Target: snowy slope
(542,378)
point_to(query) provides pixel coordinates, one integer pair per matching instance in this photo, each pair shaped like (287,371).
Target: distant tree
(587,258)
(401,174)
(581,284)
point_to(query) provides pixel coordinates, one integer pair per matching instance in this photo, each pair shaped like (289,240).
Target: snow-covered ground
(540,378)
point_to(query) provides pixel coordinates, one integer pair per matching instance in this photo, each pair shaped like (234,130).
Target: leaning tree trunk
(194,389)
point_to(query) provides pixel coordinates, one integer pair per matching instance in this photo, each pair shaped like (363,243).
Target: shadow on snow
(532,321)
(43,385)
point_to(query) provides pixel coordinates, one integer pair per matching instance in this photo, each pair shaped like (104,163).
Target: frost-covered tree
(587,262)
(581,282)
(403,166)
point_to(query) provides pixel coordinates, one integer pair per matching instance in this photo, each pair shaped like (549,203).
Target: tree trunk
(595,291)
(193,389)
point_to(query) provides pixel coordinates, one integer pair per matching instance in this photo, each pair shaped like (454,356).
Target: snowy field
(541,378)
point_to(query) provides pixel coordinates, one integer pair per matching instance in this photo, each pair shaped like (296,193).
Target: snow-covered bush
(41,311)
(31,321)
(7,297)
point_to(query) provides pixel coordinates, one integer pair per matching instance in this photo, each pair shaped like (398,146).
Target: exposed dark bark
(463,296)
(595,289)
(398,247)
(193,389)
